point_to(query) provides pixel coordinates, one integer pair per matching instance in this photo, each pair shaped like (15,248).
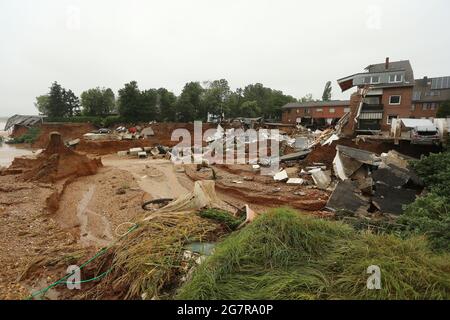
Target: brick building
(392,92)
(316,113)
(428,94)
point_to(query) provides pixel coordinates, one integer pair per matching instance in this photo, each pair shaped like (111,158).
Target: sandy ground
(37,245)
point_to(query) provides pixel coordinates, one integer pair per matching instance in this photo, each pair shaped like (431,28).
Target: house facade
(390,91)
(388,94)
(428,94)
(315,113)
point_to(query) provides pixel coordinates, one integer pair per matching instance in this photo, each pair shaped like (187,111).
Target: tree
(98,102)
(71,102)
(326,96)
(250,109)
(42,104)
(147,106)
(56,105)
(166,104)
(129,101)
(215,97)
(444,110)
(307,98)
(189,104)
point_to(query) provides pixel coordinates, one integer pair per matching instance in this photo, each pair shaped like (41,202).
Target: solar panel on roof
(440,83)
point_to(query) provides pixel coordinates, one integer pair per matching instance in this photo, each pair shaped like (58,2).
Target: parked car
(425,135)
(104,131)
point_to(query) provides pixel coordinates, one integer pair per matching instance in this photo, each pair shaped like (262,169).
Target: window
(413,107)
(367,80)
(428,106)
(375,79)
(331,110)
(346,110)
(395,100)
(394,78)
(372,100)
(319,109)
(298,111)
(306,110)
(390,117)
(432,93)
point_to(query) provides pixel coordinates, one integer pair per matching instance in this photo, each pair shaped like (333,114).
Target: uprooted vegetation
(285,255)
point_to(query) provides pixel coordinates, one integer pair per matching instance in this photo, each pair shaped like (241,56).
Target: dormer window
(372,80)
(396,78)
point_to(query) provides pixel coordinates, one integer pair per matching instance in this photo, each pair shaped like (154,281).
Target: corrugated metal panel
(371,116)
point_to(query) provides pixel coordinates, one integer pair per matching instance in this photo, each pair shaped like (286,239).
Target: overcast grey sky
(291,45)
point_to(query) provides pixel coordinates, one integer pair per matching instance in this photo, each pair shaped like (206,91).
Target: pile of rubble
(158,152)
(371,183)
(120,133)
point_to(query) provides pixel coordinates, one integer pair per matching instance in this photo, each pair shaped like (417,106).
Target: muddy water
(9,152)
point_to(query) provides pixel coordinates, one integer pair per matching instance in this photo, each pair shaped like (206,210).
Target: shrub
(29,137)
(430,216)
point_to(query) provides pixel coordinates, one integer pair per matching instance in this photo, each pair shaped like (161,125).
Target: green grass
(286,255)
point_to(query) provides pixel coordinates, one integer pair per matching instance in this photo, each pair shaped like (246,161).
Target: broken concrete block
(73,142)
(142,154)
(135,151)
(281,176)
(391,200)
(256,167)
(298,181)
(346,197)
(292,172)
(321,178)
(122,153)
(154,151)
(331,139)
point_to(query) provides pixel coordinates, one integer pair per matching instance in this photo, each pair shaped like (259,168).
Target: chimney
(387,63)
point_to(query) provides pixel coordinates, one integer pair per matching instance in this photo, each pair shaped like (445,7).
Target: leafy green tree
(233,104)
(42,104)
(215,97)
(147,107)
(166,105)
(307,98)
(56,105)
(189,104)
(250,109)
(98,102)
(326,96)
(444,110)
(72,103)
(129,101)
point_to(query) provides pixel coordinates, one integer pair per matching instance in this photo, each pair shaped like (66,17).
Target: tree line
(195,102)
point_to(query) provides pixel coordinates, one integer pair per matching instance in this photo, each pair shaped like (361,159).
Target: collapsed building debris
(386,182)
